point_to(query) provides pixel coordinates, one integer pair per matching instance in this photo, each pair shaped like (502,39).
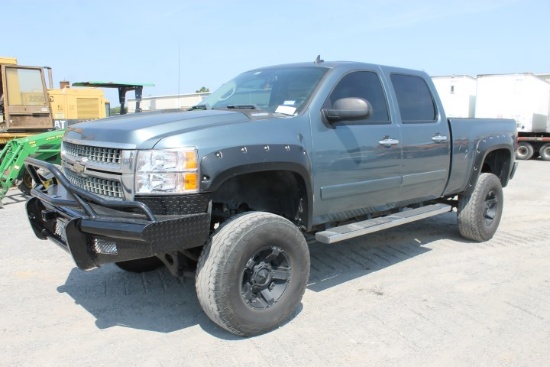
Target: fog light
(59,231)
(106,247)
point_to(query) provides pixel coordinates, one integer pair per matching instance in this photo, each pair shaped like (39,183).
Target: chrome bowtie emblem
(79,166)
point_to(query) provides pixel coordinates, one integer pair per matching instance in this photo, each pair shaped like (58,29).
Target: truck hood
(144,130)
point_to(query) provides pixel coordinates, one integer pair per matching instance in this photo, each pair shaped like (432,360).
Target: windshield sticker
(289,103)
(287,110)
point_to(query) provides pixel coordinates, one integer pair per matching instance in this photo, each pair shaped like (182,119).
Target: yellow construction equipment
(28,106)
(32,118)
(72,105)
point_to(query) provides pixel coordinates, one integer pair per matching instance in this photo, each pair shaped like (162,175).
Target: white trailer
(523,97)
(458,94)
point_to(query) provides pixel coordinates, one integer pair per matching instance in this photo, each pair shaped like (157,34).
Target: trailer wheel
(545,152)
(525,151)
(140,265)
(479,213)
(252,273)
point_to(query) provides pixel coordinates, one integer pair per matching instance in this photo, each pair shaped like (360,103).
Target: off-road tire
(525,151)
(140,265)
(252,273)
(479,214)
(545,152)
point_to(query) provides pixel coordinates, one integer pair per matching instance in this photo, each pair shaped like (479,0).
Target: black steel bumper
(97,231)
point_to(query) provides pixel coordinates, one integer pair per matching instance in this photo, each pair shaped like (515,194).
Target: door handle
(439,138)
(388,142)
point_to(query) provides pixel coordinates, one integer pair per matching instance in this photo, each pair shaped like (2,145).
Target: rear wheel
(140,265)
(525,151)
(479,213)
(253,273)
(545,152)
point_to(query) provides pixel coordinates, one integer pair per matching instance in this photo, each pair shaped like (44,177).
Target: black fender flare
(223,164)
(484,147)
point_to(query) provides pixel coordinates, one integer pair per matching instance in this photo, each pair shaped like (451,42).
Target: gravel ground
(409,296)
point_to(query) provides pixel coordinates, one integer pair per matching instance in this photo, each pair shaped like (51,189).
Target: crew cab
(232,186)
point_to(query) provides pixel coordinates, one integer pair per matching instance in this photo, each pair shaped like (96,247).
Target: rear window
(415,100)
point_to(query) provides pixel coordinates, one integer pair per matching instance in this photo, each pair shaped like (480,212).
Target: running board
(352,230)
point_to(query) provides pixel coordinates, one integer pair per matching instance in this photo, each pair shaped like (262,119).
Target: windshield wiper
(241,107)
(199,107)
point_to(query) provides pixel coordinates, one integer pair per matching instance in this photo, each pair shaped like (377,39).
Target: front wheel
(253,273)
(479,213)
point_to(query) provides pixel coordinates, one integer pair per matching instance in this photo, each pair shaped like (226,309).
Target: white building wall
(183,101)
(458,94)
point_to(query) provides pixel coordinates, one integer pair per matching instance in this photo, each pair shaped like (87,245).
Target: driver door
(357,164)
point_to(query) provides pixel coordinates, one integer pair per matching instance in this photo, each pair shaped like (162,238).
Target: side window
(414,98)
(366,85)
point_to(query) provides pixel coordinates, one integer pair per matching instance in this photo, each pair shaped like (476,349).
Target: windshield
(281,90)
(25,87)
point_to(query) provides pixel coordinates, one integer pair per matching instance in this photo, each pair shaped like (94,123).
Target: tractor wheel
(25,185)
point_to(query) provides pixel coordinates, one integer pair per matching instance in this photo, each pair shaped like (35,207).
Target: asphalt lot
(416,295)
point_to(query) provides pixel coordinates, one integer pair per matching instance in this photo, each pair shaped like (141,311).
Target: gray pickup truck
(231,188)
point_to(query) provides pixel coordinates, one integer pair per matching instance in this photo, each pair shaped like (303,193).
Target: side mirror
(349,109)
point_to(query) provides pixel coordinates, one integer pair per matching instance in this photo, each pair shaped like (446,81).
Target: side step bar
(352,230)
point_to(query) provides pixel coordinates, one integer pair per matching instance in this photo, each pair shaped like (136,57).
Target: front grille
(95,154)
(108,189)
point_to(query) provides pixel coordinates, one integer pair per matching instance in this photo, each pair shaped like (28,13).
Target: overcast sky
(181,45)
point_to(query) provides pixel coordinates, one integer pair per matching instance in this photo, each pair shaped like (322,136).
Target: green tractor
(45,146)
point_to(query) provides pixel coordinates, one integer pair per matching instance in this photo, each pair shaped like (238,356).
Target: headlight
(170,171)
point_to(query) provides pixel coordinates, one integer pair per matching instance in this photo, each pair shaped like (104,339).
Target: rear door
(425,137)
